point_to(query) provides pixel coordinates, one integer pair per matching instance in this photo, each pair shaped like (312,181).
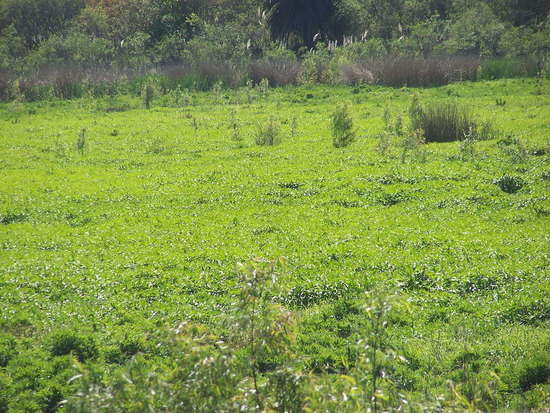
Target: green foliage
(476,31)
(342,127)
(124,258)
(507,67)
(148,93)
(412,145)
(82,141)
(509,183)
(268,134)
(82,347)
(446,122)
(35,20)
(532,371)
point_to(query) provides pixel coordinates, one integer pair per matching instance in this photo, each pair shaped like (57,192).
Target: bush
(415,71)
(269,134)
(147,94)
(507,67)
(342,127)
(315,67)
(444,122)
(535,370)
(279,72)
(68,342)
(210,72)
(509,184)
(357,73)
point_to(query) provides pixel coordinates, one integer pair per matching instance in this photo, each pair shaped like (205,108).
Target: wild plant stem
(259,406)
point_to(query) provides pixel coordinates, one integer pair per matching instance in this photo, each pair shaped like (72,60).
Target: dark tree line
(136,32)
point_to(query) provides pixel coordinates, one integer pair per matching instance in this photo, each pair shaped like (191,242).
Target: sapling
(342,127)
(147,94)
(81,142)
(268,135)
(375,352)
(261,327)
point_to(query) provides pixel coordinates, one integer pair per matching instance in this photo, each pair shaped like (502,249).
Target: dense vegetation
(63,43)
(415,275)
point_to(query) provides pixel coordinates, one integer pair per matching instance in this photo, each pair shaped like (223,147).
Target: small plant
(384,142)
(217,90)
(81,142)
(68,342)
(148,94)
(268,135)
(235,127)
(261,327)
(444,122)
(263,86)
(509,184)
(500,102)
(293,127)
(249,91)
(375,354)
(467,149)
(412,143)
(398,126)
(514,148)
(386,117)
(535,370)
(342,127)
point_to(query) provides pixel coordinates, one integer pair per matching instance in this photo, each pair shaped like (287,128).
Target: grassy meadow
(118,223)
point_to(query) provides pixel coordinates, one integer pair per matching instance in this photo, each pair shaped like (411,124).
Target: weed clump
(268,135)
(342,127)
(509,184)
(533,371)
(447,122)
(148,94)
(67,342)
(81,142)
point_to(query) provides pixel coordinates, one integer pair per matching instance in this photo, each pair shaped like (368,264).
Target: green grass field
(105,248)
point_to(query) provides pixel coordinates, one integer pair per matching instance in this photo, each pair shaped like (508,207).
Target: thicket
(249,364)
(65,48)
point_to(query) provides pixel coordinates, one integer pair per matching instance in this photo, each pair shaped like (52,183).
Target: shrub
(443,122)
(507,67)
(81,142)
(147,94)
(535,370)
(342,127)
(7,349)
(211,71)
(68,342)
(412,142)
(509,184)
(415,71)
(268,135)
(315,67)
(357,73)
(279,72)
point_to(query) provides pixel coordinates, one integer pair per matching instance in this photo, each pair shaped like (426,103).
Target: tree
(297,22)
(36,20)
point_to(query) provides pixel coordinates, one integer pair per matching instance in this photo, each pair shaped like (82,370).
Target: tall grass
(412,71)
(508,67)
(443,122)
(279,72)
(269,134)
(69,82)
